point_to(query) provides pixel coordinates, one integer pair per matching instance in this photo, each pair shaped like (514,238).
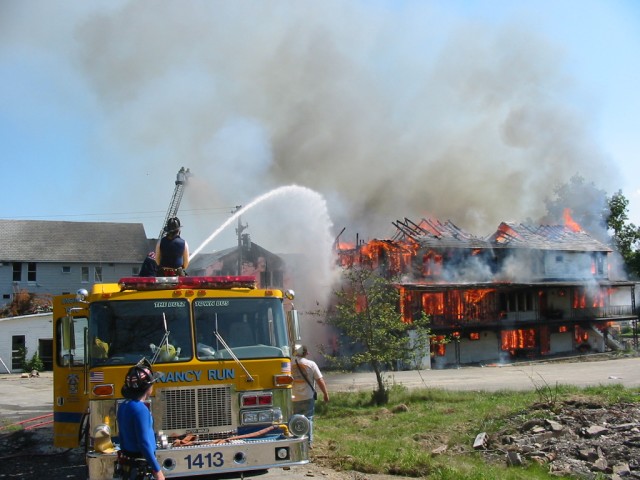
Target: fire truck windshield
(122,332)
(251,328)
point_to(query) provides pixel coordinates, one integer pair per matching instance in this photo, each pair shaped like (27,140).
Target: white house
(51,257)
(33,332)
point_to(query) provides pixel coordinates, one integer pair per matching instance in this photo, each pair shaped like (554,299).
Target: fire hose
(192,439)
(29,420)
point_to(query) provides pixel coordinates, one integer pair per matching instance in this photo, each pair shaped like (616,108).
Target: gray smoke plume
(387,111)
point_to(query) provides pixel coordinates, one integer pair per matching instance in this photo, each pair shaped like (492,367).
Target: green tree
(625,236)
(367,313)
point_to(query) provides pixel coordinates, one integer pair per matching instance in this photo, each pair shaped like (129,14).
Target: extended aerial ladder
(181,181)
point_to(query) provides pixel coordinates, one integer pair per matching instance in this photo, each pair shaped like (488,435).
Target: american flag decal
(286,367)
(96,376)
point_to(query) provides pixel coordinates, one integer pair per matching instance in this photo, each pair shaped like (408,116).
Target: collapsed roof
(434,234)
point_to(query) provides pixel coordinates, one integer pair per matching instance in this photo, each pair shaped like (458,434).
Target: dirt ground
(28,455)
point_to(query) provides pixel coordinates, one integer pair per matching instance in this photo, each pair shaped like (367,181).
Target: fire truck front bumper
(207,459)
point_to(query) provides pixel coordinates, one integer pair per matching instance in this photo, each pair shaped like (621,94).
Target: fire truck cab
(223,350)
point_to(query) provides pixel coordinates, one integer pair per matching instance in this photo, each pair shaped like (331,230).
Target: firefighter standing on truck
(172,251)
(137,455)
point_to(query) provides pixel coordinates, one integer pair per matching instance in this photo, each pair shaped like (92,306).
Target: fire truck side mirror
(68,334)
(294,325)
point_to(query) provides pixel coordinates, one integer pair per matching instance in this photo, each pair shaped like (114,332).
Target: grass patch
(403,438)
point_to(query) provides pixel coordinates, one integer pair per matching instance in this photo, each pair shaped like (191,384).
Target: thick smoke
(386,110)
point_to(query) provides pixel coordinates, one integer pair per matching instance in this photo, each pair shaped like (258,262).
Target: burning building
(523,292)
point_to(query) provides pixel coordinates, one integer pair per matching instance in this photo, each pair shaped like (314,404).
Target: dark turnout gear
(133,466)
(149,266)
(172,252)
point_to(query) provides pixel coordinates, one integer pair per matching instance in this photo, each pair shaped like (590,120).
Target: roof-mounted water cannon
(182,176)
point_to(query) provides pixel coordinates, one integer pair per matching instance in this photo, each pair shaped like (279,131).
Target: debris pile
(577,438)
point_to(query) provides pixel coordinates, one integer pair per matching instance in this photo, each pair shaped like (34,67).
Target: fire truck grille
(196,408)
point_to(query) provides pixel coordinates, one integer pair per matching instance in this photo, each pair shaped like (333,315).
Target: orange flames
(570,223)
(523,339)
(397,256)
(345,245)
(592,298)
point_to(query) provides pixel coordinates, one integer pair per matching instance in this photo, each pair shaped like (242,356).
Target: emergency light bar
(175,283)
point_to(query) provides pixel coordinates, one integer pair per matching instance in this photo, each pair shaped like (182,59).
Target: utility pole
(240,228)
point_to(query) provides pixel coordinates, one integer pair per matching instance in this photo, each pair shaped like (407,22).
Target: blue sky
(482,105)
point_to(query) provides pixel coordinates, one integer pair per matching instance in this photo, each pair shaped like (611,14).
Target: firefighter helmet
(139,378)
(173,225)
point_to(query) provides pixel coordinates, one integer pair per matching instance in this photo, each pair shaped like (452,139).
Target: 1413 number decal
(208,460)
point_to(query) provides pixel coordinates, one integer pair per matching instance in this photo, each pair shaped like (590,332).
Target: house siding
(33,327)
(51,280)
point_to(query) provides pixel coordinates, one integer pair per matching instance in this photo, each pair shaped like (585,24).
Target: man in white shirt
(306,375)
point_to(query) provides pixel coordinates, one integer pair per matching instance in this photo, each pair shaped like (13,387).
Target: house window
(31,272)
(17,271)
(600,264)
(559,259)
(97,275)
(85,275)
(66,269)
(277,279)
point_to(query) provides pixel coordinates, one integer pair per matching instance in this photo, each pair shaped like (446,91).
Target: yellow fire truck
(223,350)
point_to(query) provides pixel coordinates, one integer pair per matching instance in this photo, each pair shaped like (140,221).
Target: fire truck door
(70,396)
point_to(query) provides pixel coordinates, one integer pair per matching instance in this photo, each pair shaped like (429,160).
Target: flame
(581,335)
(396,256)
(570,223)
(513,340)
(345,245)
(505,232)
(432,264)
(591,298)
(438,345)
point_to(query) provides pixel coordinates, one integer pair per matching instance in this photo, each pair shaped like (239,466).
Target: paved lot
(580,372)
(22,398)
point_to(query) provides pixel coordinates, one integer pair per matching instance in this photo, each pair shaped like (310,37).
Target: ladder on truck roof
(181,180)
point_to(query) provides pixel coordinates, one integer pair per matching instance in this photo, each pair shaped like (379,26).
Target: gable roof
(53,241)
(545,237)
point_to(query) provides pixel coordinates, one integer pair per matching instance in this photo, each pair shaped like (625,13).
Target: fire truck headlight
(276,416)
(299,425)
(262,416)
(249,417)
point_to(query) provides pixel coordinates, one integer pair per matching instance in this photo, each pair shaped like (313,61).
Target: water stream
(317,199)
